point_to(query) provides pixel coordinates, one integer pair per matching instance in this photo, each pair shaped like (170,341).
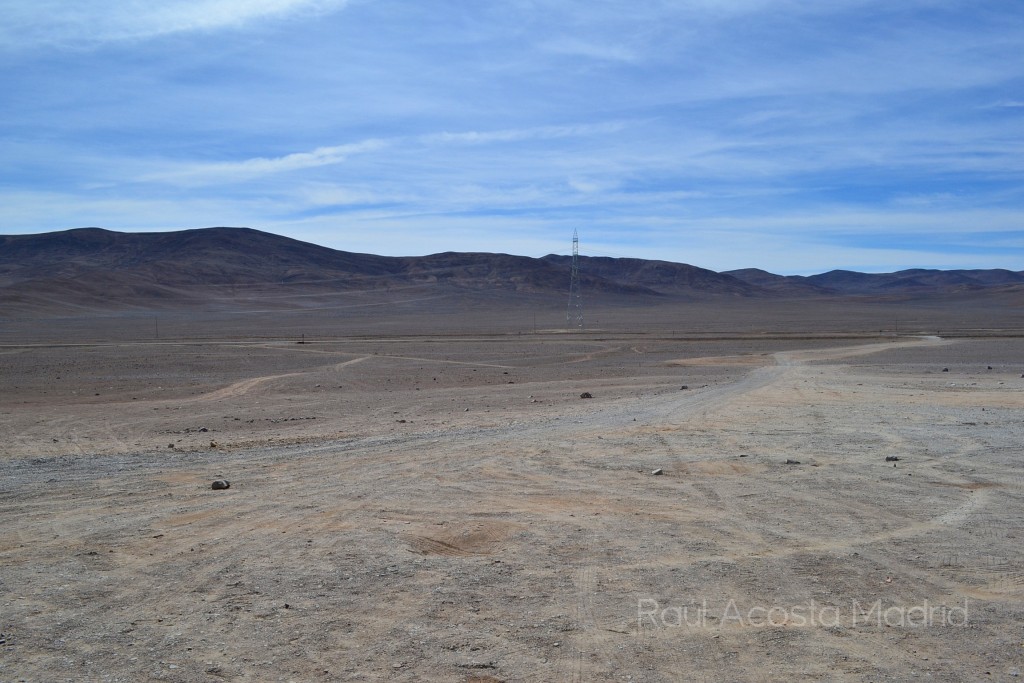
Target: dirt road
(532,542)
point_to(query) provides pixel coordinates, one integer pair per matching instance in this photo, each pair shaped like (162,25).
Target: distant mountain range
(848,282)
(92,268)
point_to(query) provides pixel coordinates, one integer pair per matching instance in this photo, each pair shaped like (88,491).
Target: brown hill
(663,277)
(95,269)
(790,285)
(92,269)
(917,280)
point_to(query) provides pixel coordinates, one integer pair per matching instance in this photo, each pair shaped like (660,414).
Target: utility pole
(574,315)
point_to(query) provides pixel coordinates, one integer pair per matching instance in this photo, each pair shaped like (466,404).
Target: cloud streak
(780,132)
(86,23)
(228,172)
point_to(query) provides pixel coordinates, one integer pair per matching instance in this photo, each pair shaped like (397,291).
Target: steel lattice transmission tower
(574,316)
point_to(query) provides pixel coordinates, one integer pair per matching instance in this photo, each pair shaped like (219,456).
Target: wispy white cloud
(581,48)
(777,132)
(523,134)
(236,171)
(228,172)
(321,194)
(90,22)
(592,185)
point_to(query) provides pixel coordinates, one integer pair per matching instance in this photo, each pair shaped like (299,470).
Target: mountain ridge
(96,268)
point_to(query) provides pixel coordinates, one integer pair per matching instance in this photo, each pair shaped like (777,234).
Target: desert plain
(410,502)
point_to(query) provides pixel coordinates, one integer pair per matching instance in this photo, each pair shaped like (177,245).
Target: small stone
(790,461)
(684,387)
(657,472)
(945,369)
(586,394)
(892,458)
(220,485)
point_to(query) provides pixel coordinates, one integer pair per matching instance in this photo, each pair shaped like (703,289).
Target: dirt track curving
(432,523)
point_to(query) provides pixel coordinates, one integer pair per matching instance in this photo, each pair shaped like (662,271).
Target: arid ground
(448,508)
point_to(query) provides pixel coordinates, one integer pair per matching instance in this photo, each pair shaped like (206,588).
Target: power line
(574,315)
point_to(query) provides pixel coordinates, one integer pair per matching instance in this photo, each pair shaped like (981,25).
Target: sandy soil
(450,509)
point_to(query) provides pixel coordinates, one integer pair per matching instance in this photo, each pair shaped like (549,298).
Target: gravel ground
(417,514)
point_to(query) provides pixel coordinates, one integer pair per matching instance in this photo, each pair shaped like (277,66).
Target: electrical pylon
(574,316)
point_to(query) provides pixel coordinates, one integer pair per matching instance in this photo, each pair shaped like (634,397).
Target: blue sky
(795,136)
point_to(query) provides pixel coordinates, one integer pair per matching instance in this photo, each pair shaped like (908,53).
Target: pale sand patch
(744,361)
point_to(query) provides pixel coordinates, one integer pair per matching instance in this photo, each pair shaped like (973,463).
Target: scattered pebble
(220,484)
